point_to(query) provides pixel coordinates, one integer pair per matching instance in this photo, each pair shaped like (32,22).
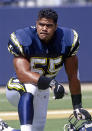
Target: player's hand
(58,89)
(81,114)
(45,83)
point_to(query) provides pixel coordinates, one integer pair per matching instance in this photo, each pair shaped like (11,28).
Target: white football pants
(41,98)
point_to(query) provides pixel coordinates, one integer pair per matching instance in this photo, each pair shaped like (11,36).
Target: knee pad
(25,109)
(13,97)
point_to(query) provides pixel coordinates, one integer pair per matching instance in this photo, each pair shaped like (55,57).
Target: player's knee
(13,97)
(25,109)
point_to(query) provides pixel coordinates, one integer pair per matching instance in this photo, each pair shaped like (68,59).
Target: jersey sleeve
(19,41)
(14,45)
(74,43)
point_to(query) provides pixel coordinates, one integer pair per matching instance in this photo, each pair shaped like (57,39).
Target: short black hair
(49,14)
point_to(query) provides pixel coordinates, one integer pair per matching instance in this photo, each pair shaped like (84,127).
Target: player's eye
(49,25)
(41,24)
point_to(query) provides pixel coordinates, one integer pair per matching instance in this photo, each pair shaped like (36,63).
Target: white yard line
(50,114)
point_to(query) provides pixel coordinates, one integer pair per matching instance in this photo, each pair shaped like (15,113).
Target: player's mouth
(44,33)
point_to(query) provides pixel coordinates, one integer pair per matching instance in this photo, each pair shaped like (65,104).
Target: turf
(51,124)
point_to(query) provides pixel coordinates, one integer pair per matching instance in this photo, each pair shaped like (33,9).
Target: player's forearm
(74,85)
(28,77)
(23,71)
(75,90)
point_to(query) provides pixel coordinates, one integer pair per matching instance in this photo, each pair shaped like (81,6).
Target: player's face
(45,29)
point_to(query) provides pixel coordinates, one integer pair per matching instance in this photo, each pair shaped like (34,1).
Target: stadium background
(76,17)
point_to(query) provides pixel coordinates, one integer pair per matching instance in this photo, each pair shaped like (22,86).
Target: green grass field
(52,124)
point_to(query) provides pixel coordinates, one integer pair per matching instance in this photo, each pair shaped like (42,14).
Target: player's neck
(46,41)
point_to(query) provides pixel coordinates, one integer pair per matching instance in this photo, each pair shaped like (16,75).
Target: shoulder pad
(19,40)
(71,41)
(75,43)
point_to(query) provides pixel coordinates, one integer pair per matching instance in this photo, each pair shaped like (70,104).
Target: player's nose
(45,27)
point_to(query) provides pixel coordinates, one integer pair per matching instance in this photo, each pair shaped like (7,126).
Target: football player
(39,53)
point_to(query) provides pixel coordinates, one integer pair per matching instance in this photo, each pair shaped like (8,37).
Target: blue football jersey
(46,59)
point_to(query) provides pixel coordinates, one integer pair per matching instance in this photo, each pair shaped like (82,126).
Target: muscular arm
(71,67)
(22,68)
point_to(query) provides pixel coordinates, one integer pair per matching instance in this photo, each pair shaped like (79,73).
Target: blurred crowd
(39,3)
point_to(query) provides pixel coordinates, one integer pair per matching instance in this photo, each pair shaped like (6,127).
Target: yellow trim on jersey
(54,61)
(74,42)
(15,86)
(16,42)
(9,49)
(38,60)
(52,70)
(75,38)
(75,52)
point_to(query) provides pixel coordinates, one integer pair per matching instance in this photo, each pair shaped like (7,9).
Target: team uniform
(45,59)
